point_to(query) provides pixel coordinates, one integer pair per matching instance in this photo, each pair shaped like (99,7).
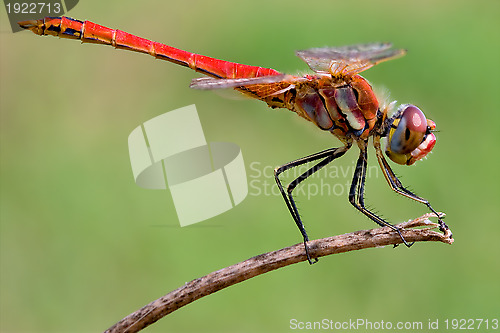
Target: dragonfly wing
(256,87)
(208,83)
(348,60)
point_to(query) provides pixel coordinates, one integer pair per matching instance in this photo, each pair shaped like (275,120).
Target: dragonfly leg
(356,194)
(327,156)
(396,185)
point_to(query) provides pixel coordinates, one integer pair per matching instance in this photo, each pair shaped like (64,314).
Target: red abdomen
(89,32)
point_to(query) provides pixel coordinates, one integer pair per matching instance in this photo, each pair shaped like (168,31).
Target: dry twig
(266,262)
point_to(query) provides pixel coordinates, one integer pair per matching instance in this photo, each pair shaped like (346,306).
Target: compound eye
(410,131)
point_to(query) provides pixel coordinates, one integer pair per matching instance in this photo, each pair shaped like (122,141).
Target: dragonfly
(335,98)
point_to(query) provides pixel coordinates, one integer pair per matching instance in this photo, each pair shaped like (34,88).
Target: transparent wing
(257,87)
(207,83)
(348,60)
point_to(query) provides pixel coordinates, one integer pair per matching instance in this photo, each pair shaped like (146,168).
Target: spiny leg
(327,156)
(395,184)
(356,194)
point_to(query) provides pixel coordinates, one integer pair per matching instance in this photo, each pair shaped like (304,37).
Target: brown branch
(267,262)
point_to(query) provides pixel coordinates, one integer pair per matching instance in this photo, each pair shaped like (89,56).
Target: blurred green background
(82,246)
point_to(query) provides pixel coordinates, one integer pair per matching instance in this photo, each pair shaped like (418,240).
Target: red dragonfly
(335,98)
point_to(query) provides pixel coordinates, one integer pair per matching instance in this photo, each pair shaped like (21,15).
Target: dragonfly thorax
(346,109)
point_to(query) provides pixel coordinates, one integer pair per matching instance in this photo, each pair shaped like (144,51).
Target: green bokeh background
(82,246)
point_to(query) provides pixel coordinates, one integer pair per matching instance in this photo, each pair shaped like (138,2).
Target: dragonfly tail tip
(33,25)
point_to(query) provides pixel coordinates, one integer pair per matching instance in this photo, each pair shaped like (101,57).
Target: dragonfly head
(410,136)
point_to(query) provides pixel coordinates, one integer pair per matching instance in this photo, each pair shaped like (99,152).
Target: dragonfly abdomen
(89,32)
